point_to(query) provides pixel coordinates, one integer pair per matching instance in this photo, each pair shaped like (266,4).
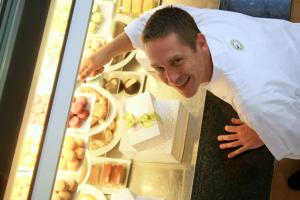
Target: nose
(172,77)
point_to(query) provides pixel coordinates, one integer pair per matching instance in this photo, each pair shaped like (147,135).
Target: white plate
(111,114)
(120,64)
(117,136)
(90,190)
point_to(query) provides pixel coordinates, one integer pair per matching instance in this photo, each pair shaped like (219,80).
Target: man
(251,63)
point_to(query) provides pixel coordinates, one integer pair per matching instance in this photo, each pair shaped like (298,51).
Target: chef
(251,63)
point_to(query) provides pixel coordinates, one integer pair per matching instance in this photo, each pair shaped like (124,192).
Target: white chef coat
(256,69)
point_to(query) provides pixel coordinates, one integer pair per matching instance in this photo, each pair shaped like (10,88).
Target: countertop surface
(248,176)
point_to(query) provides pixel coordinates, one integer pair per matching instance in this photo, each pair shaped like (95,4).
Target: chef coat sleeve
(277,121)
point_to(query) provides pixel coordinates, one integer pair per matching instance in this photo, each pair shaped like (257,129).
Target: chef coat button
(297,104)
(297,92)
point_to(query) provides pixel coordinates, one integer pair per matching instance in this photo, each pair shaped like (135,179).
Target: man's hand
(242,136)
(91,66)
(95,63)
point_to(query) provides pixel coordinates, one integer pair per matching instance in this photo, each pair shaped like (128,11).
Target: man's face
(178,65)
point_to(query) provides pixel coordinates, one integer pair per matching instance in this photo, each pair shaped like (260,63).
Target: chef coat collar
(216,50)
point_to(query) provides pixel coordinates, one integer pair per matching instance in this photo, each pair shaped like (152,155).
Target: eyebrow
(170,61)
(154,65)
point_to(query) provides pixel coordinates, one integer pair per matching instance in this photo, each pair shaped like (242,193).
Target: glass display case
(76,140)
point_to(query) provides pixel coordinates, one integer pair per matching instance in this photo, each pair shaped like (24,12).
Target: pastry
(72,183)
(70,156)
(65,195)
(74,165)
(132,86)
(105,173)
(80,153)
(60,186)
(79,142)
(114,85)
(117,175)
(94,175)
(69,143)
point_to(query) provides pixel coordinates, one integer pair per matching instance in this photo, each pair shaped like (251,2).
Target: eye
(159,69)
(177,61)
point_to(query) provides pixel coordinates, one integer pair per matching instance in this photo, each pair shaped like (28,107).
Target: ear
(201,41)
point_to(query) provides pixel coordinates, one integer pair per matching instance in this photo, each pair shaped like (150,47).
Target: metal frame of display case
(55,131)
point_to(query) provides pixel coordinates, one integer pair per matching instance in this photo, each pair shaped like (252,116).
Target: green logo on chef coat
(237,45)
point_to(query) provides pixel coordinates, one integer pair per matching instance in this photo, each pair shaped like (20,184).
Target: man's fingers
(83,74)
(228,137)
(230,144)
(236,121)
(237,152)
(82,68)
(232,129)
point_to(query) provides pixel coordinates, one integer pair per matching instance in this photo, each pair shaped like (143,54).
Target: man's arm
(121,44)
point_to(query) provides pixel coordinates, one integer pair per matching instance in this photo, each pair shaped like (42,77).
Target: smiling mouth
(184,83)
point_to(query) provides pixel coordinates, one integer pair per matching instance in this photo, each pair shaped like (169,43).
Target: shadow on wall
(280,9)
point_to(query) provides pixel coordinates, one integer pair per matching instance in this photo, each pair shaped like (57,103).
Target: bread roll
(79,142)
(65,195)
(69,143)
(60,186)
(80,153)
(62,164)
(69,156)
(74,165)
(72,183)
(55,196)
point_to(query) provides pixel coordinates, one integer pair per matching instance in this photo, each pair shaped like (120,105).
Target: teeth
(184,82)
